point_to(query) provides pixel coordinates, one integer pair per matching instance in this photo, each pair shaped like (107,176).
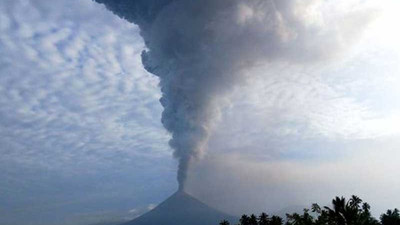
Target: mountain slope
(182,209)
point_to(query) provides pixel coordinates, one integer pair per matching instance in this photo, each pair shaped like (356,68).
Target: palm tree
(351,212)
(244,220)
(297,219)
(354,202)
(391,217)
(253,220)
(323,217)
(276,220)
(365,216)
(345,213)
(263,219)
(337,214)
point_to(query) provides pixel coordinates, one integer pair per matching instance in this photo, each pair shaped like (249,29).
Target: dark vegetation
(351,212)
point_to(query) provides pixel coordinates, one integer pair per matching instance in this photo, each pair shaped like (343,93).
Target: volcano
(182,209)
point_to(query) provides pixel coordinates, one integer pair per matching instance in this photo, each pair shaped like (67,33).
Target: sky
(81,139)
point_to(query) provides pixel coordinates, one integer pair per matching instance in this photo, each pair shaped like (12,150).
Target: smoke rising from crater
(200,50)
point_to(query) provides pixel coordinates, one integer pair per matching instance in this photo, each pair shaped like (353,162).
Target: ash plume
(200,50)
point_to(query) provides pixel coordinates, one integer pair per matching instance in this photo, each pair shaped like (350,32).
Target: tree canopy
(342,212)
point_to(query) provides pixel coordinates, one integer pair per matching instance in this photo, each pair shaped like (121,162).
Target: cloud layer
(78,113)
(69,84)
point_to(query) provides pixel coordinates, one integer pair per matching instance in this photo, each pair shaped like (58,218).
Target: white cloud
(72,84)
(78,113)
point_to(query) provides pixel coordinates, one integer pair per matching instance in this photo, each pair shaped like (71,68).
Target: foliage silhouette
(351,212)
(264,219)
(244,220)
(253,220)
(391,217)
(224,222)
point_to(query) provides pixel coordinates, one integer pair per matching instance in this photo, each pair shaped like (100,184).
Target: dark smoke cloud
(200,49)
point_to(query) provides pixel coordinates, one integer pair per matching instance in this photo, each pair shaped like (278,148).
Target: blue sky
(81,138)
(79,114)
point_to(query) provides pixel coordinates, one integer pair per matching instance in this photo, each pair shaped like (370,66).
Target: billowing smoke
(201,49)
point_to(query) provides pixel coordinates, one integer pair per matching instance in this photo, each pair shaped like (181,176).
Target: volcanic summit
(182,209)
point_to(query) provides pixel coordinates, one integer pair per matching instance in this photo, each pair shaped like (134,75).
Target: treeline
(351,212)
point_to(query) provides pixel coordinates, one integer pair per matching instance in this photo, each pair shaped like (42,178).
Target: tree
(337,213)
(366,217)
(297,219)
(276,220)
(244,220)
(253,220)
(224,222)
(391,217)
(263,219)
(323,217)
(351,212)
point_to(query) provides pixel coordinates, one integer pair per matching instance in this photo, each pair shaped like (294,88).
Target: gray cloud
(200,49)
